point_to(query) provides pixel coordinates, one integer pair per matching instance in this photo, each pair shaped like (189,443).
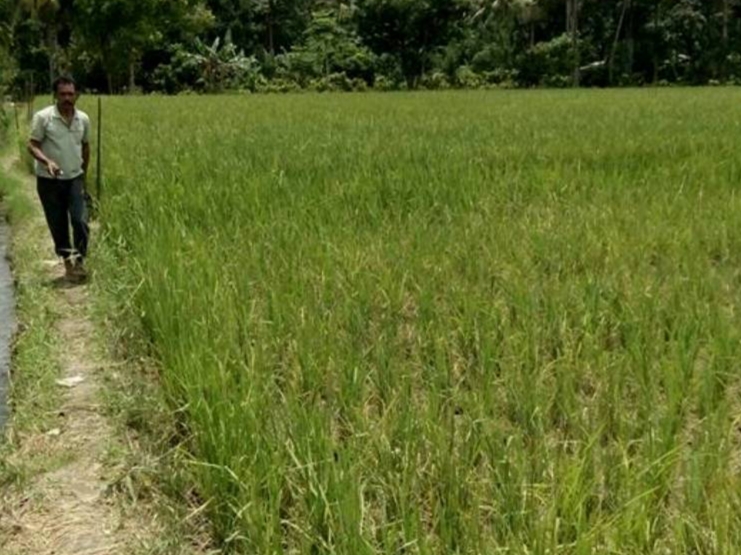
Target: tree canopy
(206,45)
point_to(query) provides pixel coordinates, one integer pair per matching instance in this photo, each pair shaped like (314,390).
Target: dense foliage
(169,45)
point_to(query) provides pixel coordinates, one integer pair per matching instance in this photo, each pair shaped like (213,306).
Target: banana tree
(219,63)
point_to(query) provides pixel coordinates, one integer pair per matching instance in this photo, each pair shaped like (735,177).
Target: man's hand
(53,169)
(34,147)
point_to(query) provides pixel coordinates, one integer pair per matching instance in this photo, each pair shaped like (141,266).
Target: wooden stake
(98,164)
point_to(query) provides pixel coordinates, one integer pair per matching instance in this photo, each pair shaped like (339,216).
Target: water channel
(7,318)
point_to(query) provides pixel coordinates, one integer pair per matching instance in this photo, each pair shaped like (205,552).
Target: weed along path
(64,506)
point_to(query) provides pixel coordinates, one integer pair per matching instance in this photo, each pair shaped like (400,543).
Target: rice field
(460,322)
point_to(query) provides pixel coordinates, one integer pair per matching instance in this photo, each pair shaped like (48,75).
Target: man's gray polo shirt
(60,142)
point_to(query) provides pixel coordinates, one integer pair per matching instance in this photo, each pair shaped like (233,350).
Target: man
(59,142)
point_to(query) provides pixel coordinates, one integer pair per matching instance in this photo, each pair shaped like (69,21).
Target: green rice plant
(465,322)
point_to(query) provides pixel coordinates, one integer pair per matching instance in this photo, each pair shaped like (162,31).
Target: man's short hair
(63,80)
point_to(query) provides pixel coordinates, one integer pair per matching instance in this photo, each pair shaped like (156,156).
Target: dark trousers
(64,204)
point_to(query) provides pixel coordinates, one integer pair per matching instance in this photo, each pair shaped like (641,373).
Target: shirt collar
(56,114)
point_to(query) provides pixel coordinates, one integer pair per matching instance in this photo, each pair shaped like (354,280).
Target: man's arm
(34,147)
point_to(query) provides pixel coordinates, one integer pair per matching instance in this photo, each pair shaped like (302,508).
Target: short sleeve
(38,129)
(86,130)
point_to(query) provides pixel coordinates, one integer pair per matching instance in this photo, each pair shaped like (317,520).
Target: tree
(330,49)
(679,32)
(721,18)
(502,29)
(239,18)
(116,33)
(572,30)
(625,6)
(125,43)
(45,12)
(262,26)
(408,30)
(6,27)
(6,42)
(218,64)
(502,19)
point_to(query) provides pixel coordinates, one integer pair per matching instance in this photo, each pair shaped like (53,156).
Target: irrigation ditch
(7,318)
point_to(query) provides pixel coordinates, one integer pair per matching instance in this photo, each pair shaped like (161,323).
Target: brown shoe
(69,268)
(74,270)
(78,271)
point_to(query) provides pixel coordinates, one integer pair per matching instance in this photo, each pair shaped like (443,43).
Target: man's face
(66,96)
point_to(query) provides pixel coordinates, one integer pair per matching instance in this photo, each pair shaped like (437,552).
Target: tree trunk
(657,18)
(423,56)
(726,17)
(132,75)
(271,42)
(572,29)
(613,50)
(630,41)
(52,71)
(52,47)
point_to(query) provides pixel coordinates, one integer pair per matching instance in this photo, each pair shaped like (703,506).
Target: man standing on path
(59,142)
